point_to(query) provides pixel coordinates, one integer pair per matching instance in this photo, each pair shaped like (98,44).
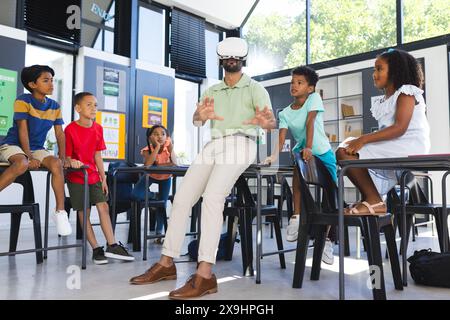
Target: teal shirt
(295,121)
(236,104)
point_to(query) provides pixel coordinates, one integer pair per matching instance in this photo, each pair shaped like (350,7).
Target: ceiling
(229,14)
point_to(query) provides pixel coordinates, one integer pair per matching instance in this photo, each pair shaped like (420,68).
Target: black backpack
(221,250)
(430,268)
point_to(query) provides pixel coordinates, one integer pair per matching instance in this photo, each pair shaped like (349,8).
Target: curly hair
(403,68)
(150,131)
(310,74)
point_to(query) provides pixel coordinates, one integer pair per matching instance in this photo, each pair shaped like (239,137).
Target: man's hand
(205,111)
(33,164)
(265,119)
(76,164)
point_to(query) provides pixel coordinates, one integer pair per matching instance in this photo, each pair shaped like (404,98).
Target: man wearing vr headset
(233,108)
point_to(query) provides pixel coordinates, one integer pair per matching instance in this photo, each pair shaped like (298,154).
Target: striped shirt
(41,117)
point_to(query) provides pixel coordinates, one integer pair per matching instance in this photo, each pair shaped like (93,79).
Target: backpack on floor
(221,251)
(430,268)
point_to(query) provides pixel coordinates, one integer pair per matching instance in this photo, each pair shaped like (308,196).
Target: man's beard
(234,68)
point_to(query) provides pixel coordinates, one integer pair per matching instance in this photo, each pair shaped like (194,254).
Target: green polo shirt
(236,104)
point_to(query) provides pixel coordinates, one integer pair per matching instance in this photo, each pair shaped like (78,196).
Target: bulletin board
(8,91)
(154,111)
(113,124)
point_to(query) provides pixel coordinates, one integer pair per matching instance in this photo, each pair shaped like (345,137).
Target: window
(185,135)
(425,19)
(109,41)
(8,13)
(276,34)
(348,27)
(98,22)
(212,37)
(151,34)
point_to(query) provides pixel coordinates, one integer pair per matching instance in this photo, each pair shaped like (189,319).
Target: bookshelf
(342,97)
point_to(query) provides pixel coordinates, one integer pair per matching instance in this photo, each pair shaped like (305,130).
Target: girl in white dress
(403,129)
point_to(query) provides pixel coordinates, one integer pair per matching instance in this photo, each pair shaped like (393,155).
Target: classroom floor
(22,278)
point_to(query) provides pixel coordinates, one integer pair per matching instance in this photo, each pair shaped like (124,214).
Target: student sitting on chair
(84,145)
(23,147)
(304,118)
(158,152)
(403,124)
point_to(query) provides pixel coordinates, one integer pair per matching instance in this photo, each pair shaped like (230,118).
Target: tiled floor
(57,277)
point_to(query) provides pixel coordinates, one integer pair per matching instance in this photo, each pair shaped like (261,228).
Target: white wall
(437,99)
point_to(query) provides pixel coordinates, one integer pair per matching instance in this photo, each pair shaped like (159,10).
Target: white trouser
(212,176)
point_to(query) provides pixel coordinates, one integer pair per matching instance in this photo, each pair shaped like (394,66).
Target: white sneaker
(327,255)
(292,228)
(61,220)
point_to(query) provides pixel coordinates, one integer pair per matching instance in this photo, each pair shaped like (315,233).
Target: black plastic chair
(242,213)
(124,203)
(16,210)
(417,203)
(317,214)
(285,195)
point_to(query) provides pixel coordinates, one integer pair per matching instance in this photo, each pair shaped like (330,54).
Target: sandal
(355,212)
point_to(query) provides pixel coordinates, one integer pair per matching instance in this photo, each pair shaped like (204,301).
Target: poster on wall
(113,124)
(111,89)
(8,92)
(154,111)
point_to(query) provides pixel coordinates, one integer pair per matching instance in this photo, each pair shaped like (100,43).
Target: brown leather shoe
(195,287)
(156,273)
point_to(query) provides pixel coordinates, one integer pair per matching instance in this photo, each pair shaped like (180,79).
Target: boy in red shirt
(84,143)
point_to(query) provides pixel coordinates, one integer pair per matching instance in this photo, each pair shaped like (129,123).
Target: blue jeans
(138,194)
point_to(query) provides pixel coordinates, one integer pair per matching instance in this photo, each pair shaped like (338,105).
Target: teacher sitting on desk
(232,106)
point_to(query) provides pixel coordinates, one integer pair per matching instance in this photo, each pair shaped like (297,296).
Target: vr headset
(232,48)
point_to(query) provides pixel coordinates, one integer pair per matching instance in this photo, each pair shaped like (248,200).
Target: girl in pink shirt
(158,152)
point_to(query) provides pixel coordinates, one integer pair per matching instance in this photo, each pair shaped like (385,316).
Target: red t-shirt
(81,145)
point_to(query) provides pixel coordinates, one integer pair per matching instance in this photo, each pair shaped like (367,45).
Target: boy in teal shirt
(304,118)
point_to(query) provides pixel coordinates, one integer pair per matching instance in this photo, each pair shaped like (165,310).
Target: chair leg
(346,242)
(276,224)
(319,244)
(231,237)
(409,224)
(245,230)
(37,232)
(79,233)
(389,234)
(14,231)
(289,203)
(152,220)
(164,213)
(300,256)
(438,221)
(376,264)
(135,225)
(280,208)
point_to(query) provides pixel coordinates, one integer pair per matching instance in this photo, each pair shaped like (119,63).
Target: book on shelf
(331,137)
(350,132)
(347,110)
